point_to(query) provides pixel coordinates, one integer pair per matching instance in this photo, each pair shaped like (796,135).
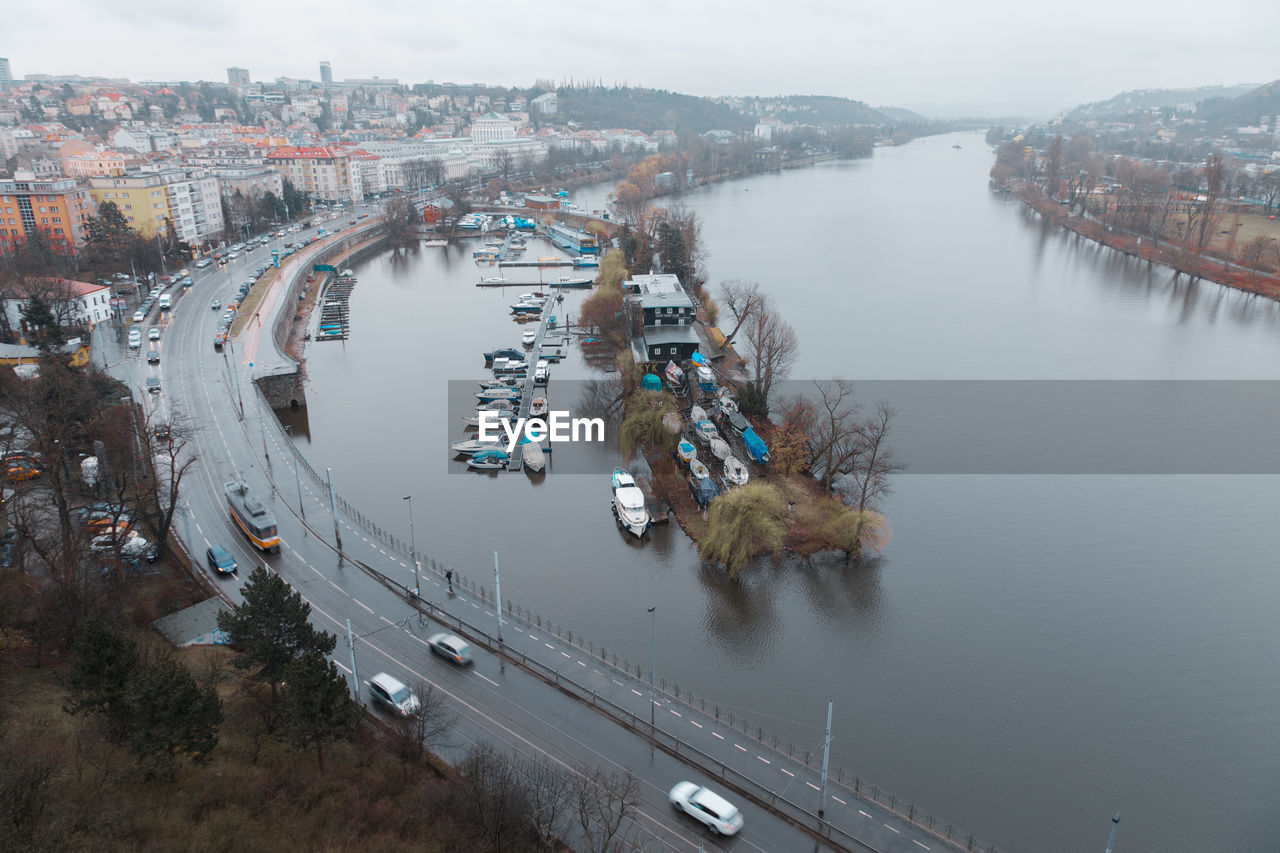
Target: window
(673,350)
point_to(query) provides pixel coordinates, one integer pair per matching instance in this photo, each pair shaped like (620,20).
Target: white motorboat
(472,446)
(538,407)
(697,413)
(496,417)
(685,450)
(698,469)
(735,473)
(529,336)
(719,448)
(494,394)
(628,503)
(706,431)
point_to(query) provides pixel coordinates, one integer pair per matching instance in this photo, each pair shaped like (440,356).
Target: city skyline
(935,58)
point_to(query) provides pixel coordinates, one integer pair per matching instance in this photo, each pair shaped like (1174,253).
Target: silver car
(451,648)
(708,807)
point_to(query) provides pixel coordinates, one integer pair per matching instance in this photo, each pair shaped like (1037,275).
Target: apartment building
(59,208)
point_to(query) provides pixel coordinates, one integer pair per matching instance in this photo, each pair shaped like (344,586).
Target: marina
(335,313)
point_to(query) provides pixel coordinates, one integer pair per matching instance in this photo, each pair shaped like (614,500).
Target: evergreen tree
(170,715)
(317,706)
(271,630)
(101,669)
(38,316)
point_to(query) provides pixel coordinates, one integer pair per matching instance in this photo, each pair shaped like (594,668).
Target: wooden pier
(529,387)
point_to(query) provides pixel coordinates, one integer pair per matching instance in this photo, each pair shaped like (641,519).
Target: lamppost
(653,654)
(413,546)
(288,430)
(1115,827)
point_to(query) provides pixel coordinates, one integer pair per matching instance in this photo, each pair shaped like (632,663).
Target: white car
(202,263)
(712,810)
(451,648)
(154,334)
(139,316)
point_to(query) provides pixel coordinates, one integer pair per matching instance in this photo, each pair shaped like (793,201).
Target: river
(1032,653)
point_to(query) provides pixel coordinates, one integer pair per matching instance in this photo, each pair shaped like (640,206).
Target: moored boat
(488,460)
(529,336)
(706,431)
(538,407)
(735,473)
(472,446)
(685,450)
(628,503)
(532,454)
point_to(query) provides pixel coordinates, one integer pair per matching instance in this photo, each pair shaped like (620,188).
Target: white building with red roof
(73,303)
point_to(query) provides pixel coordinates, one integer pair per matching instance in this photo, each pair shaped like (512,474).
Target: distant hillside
(1145,99)
(817,110)
(646,109)
(899,114)
(1224,112)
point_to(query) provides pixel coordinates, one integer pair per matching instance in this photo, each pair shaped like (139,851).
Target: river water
(1032,653)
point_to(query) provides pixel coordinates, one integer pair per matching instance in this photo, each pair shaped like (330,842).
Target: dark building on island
(664,315)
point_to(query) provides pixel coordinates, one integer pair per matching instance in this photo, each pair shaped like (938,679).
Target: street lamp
(413,546)
(288,430)
(653,653)
(1115,827)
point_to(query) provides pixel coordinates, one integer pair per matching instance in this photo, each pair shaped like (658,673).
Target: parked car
(220,560)
(393,695)
(139,316)
(135,546)
(101,521)
(451,648)
(202,263)
(708,807)
(15,473)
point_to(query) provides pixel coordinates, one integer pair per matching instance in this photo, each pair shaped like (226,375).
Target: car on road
(220,560)
(153,384)
(215,305)
(139,316)
(451,648)
(153,356)
(154,334)
(708,807)
(135,339)
(393,695)
(162,431)
(202,263)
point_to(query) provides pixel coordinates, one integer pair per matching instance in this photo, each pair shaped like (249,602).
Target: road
(543,697)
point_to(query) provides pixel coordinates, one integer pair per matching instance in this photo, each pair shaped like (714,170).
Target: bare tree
(741,299)
(494,798)
(550,789)
(603,803)
(1206,209)
(172,457)
(774,348)
(834,439)
(417,735)
(874,465)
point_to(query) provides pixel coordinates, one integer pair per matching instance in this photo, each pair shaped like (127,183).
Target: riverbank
(1173,255)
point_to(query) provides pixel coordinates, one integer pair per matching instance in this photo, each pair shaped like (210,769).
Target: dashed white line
(490,680)
(813,786)
(717,734)
(548,645)
(531,637)
(864,814)
(788,772)
(617,682)
(362,604)
(677,713)
(838,800)
(767,761)
(696,723)
(925,846)
(343,668)
(739,746)
(637,692)
(891,829)
(580,663)
(566,654)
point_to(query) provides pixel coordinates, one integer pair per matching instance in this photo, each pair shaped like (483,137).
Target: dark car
(162,431)
(153,384)
(153,356)
(220,560)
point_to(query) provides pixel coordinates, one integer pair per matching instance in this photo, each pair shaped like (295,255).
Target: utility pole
(235,377)
(1115,827)
(497,593)
(288,429)
(333,508)
(355,676)
(413,547)
(653,657)
(262,426)
(826,755)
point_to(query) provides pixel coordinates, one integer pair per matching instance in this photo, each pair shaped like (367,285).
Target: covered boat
(534,458)
(698,469)
(472,446)
(685,450)
(755,446)
(704,489)
(628,503)
(719,448)
(697,413)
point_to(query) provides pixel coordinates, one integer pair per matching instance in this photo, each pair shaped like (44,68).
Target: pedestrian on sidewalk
(448,576)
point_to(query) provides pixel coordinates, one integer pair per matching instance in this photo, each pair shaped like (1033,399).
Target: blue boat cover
(755,445)
(650,382)
(697,356)
(707,489)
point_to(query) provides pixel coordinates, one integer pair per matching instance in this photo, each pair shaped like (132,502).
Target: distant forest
(647,110)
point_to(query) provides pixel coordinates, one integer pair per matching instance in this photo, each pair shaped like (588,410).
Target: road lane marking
(696,723)
(637,692)
(617,682)
(925,846)
(566,654)
(838,800)
(788,772)
(486,678)
(891,829)
(739,746)
(548,645)
(677,713)
(767,761)
(813,786)
(580,663)
(341,667)
(717,734)
(362,604)
(864,814)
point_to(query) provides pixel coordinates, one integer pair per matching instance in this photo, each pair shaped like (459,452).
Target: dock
(334,324)
(528,388)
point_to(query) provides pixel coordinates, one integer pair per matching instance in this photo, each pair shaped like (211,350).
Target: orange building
(59,208)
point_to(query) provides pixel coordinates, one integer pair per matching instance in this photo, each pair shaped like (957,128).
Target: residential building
(545,105)
(6,74)
(238,76)
(59,208)
(142,199)
(152,200)
(323,172)
(664,313)
(97,163)
(249,181)
(326,74)
(73,303)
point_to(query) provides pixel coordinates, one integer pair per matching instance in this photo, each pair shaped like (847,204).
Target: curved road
(518,708)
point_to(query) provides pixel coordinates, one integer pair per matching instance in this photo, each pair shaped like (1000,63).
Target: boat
(628,503)
(586,261)
(719,448)
(735,473)
(705,431)
(532,454)
(505,352)
(552,320)
(472,446)
(726,401)
(537,296)
(508,365)
(697,413)
(685,450)
(538,407)
(494,281)
(566,281)
(492,395)
(542,373)
(486,256)
(500,382)
(489,460)
(529,336)
(495,414)
(526,308)
(698,469)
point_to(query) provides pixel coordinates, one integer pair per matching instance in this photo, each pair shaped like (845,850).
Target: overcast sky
(996,57)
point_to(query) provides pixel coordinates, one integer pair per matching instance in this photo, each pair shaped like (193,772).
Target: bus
(252,517)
